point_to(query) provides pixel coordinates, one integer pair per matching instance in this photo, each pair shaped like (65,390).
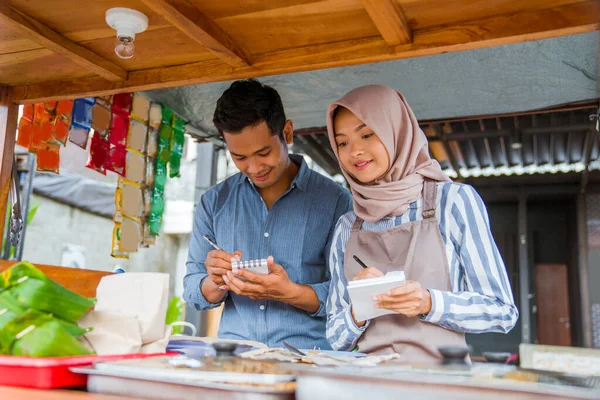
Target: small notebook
(256,266)
(361,294)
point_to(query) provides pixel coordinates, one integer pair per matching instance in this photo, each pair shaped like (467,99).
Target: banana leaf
(73,329)
(10,309)
(50,297)
(39,335)
(17,272)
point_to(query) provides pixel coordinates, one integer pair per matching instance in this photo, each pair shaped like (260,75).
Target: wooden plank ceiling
(64,48)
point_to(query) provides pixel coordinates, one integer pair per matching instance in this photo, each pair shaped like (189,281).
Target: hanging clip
(16,216)
(597,118)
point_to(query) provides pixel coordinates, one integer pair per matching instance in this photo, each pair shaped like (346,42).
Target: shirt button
(262,308)
(266,234)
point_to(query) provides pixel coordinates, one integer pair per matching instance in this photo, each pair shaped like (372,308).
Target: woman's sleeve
(484,301)
(341,330)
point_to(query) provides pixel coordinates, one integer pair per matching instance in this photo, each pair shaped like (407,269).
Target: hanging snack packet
(99,150)
(135,169)
(140,108)
(164,144)
(155,118)
(137,136)
(101,117)
(60,131)
(157,209)
(116,239)
(64,109)
(160,176)
(118,217)
(82,112)
(147,201)
(148,238)
(26,127)
(41,128)
(152,142)
(62,123)
(105,101)
(122,103)
(177,142)
(48,158)
(116,159)
(149,180)
(50,107)
(119,125)
(79,136)
(81,121)
(130,236)
(131,200)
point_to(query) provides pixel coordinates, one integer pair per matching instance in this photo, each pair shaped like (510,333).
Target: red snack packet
(117,156)
(119,126)
(99,150)
(122,103)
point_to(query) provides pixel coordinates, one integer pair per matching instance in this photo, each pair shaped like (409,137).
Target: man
(276,207)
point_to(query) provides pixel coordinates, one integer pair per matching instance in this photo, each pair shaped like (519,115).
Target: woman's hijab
(385,111)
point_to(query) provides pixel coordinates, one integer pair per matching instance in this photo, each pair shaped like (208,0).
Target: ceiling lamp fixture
(127,23)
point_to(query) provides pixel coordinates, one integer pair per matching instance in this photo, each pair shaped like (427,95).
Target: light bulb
(124,47)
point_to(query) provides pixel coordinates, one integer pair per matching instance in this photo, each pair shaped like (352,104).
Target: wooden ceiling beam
(390,20)
(526,26)
(190,21)
(46,37)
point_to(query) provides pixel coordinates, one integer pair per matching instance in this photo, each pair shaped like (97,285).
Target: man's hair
(247,103)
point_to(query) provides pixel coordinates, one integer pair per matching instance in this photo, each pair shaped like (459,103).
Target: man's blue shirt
(297,231)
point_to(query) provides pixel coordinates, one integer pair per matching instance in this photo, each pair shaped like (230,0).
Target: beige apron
(417,248)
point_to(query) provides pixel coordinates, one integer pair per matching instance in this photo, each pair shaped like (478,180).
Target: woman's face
(360,150)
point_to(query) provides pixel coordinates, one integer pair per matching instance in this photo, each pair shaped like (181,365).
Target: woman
(409,216)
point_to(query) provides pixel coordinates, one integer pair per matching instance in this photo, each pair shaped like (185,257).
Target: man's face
(258,154)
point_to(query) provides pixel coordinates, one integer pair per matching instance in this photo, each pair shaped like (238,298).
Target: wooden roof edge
(564,20)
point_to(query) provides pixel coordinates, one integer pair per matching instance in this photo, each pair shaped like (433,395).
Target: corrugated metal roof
(556,140)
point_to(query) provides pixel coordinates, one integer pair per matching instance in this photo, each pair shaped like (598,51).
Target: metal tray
(176,388)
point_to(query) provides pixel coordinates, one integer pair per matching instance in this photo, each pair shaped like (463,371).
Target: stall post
(9,113)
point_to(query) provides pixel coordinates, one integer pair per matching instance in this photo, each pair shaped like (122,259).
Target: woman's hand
(411,300)
(365,273)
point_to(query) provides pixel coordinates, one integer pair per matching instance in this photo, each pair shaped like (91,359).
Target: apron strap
(357,224)
(429,198)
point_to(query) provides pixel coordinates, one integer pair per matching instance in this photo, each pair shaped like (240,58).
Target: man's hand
(411,299)
(218,263)
(274,286)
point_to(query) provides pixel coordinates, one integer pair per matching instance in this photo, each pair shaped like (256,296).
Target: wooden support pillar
(9,113)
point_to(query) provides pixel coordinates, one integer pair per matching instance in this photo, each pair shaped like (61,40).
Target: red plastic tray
(52,372)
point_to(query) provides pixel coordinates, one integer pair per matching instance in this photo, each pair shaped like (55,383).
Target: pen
(212,243)
(358,260)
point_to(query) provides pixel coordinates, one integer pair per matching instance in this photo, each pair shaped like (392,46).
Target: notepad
(361,294)
(256,266)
